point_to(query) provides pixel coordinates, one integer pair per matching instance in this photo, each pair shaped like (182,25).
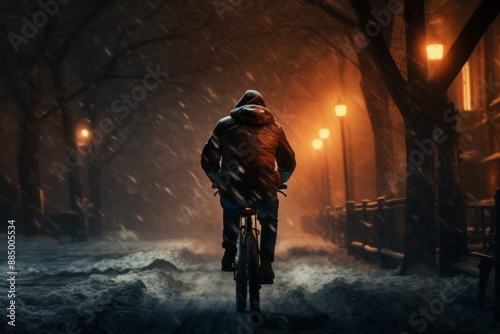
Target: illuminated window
(466,87)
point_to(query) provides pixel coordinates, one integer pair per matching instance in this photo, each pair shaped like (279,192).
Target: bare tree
(427,117)
(39,55)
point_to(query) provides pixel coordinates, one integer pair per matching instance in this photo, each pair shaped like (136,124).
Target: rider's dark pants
(267,214)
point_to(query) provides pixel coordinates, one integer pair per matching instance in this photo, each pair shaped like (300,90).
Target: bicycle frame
(246,274)
(248,222)
(247,261)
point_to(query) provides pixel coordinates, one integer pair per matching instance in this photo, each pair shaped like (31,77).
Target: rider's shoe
(266,272)
(228,259)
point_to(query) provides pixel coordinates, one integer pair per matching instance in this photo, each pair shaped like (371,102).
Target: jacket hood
(251,110)
(251,97)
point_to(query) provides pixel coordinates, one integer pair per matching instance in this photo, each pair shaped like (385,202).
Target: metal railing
(374,227)
(480,224)
(379,225)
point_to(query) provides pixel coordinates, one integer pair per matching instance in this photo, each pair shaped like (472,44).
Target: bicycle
(246,263)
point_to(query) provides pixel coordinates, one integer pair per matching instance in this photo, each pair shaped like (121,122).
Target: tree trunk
(69,135)
(95,173)
(377,104)
(26,92)
(452,223)
(420,211)
(28,173)
(74,185)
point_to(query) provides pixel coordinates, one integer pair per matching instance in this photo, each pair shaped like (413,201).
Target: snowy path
(165,287)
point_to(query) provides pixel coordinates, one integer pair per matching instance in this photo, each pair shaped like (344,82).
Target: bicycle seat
(248,211)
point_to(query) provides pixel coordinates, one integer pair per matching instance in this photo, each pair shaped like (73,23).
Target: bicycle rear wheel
(241,279)
(253,271)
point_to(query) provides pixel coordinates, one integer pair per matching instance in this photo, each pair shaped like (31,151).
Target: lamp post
(435,51)
(82,140)
(341,111)
(82,137)
(324,134)
(319,144)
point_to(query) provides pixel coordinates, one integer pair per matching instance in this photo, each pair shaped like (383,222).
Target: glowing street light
(324,133)
(317,144)
(435,51)
(341,111)
(82,137)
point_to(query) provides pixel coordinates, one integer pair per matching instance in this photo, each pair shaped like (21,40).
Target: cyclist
(240,160)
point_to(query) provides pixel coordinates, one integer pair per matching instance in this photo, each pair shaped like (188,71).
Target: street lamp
(435,51)
(434,54)
(341,111)
(83,136)
(317,144)
(324,134)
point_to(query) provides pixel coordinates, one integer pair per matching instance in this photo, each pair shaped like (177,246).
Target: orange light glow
(340,110)
(435,51)
(82,136)
(324,133)
(317,144)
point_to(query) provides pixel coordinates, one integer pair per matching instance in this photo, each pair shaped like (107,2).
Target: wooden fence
(374,229)
(480,224)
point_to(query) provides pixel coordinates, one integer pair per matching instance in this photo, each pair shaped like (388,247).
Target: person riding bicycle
(240,160)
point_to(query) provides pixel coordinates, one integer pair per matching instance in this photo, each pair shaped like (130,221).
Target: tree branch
(107,72)
(464,45)
(396,84)
(416,58)
(134,26)
(337,12)
(73,35)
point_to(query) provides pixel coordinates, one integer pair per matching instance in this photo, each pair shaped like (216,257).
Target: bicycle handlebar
(280,189)
(282,192)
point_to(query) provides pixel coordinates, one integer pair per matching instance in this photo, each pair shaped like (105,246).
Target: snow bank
(177,286)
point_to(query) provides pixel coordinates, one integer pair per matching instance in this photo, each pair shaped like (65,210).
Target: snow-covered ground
(176,286)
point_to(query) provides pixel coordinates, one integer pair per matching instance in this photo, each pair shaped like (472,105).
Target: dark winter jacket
(250,143)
